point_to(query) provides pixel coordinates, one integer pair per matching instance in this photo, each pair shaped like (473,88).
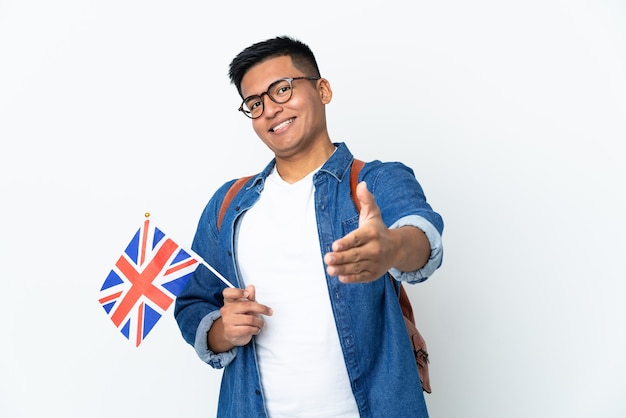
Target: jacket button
(258,392)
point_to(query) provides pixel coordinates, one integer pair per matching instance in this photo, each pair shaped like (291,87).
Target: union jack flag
(144,282)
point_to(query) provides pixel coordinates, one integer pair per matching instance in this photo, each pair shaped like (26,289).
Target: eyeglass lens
(279,91)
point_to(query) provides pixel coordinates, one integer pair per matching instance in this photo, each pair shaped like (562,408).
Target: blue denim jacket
(371,329)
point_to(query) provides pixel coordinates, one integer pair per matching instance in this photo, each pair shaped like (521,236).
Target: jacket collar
(338,166)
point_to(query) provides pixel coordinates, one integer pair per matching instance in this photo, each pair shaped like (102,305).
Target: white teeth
(282,125)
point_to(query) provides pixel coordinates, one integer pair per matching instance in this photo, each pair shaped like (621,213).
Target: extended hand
(366,253)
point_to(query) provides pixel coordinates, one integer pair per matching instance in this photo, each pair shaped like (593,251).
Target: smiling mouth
(282,125)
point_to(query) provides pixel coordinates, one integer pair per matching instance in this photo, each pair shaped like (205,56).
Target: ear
(326,93)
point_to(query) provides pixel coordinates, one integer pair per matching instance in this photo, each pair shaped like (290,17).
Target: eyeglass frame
(290,80)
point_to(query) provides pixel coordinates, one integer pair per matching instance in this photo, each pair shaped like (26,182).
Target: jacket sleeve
(198,305)
(402,202)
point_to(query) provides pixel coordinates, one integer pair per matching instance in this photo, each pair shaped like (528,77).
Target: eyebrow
(268,87)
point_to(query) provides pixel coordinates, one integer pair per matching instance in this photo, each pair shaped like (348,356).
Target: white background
(513,115)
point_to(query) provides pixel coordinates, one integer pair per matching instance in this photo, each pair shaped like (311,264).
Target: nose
(270,107)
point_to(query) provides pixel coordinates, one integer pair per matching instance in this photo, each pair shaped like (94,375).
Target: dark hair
(301,56)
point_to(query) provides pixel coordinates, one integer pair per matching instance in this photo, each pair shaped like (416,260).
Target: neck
(292,170)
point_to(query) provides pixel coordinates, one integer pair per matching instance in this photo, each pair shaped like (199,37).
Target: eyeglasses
(279,91)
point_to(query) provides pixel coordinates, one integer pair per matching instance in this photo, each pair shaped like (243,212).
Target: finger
(251,292)
(247,323)
(258,308)
(241,302)
(234,294)
(355,239)
(239,328)
(345,251)
(362,277)
(240,317)
(369,207)
(369,210)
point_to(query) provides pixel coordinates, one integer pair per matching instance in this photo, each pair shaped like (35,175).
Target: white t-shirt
(302,368)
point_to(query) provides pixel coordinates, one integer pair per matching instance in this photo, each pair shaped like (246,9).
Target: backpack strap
(357,165)
(234,189)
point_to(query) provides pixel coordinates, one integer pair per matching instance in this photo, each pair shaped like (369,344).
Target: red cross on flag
(144,282)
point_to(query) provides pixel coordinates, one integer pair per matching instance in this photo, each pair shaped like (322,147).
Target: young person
(313,327)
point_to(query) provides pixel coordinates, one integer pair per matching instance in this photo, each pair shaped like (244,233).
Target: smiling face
(295,129)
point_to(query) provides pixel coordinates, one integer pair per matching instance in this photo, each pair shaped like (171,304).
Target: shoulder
(379,172)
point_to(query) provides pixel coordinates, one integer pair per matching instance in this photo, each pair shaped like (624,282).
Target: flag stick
(204,263)
(219,276)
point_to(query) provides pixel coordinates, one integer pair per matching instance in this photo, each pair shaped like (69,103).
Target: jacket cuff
(436,250)
(216,361)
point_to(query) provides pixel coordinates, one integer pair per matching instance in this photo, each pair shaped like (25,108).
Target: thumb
(250,292)
(369,208)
